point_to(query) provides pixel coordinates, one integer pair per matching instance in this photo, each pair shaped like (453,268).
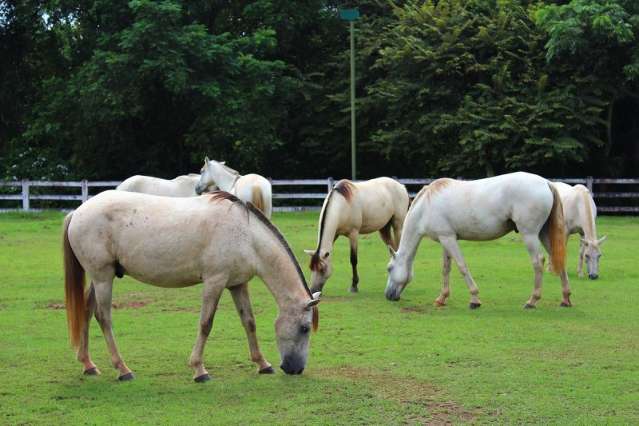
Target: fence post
(589,181)
(85,190)
(330,184)
(25,195)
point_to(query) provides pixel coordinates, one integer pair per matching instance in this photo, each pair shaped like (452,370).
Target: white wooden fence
(21,191)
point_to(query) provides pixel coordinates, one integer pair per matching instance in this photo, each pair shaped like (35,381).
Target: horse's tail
(556,230)
(73,287)
(257,198)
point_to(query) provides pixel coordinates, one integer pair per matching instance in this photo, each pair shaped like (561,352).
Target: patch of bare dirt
(408,391)
(421,309)
(116,305)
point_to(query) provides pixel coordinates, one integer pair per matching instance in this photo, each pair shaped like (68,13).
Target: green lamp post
(351,15)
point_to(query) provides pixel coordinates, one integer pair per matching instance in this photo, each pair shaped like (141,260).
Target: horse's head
(207,176)
(292,328)
(321,268)
(399,275)
(592,253)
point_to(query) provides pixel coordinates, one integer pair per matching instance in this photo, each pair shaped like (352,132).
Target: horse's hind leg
(83,351)
(452,247)
(563,275)
(243,305)
(353,241)
(537,258)
(103,296)
(441,299)
(211,293)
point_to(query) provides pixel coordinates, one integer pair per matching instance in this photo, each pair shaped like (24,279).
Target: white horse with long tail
(351,209)
(181,186)
(580,213)
(179,242)
(449,210)
(248,188)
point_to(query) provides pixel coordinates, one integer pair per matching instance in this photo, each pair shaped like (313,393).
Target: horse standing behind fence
(351,209)
(178,242)
(181,186)
(449,210)
(580,213)
(248,188)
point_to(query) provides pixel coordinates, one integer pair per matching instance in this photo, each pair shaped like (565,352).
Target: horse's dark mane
(345,188)
(249,207)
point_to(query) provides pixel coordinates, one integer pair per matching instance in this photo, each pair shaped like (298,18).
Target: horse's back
(252,185)
(377,201)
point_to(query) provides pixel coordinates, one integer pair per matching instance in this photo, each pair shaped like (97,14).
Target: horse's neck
(587,219)
(224,179)
(278,270)
(328,232)
(412,231)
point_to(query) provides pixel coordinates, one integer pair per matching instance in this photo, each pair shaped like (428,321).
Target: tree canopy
(106,89)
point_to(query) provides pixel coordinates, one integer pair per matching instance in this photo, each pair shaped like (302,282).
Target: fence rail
(23,192)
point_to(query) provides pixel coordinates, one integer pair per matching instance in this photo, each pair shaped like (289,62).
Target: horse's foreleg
(441,300)
(103,297)
(83,351)
(243,305)
(537,258)
(210,297)
(451,245)
(353,241)
(580,261)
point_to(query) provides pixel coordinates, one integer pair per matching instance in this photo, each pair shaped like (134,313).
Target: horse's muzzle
(292,364)
(392,294)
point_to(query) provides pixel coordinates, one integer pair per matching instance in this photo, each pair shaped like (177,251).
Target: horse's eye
(304,329)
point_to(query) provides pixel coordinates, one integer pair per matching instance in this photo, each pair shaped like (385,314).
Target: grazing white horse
(351,209)
(580,213)
(179,242)
(449,210)
(248,188)
(181,186)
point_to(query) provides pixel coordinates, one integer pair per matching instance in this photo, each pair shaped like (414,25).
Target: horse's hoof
(474,305)
(267,370)
(203,378)
(529,306)
(92,371)
(566,305)
(439,304)
(126,377)
(353,289)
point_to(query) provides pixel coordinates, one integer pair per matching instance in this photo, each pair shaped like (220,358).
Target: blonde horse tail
(74,282)
(258,198)
(556,230)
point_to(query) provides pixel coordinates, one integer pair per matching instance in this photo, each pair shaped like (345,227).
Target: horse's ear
(602,239)
(391,251)
(309,252)
(317,295)
(206,161)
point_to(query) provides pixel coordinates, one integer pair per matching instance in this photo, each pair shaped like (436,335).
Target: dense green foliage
(371,361)
(106,89)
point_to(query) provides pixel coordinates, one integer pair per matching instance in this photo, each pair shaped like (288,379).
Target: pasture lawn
(372,361)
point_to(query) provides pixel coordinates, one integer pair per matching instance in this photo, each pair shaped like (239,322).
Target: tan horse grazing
(181,186)
(449,210)
(580,213)
(351,209)
(179,242)
(248,188)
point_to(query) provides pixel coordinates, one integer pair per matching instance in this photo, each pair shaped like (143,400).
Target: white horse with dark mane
(248,188)
(179,242)
(449,210)
(351,209)
(580,213)
(181,186)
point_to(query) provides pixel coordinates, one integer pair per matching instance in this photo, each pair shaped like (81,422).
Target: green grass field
(372,361)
